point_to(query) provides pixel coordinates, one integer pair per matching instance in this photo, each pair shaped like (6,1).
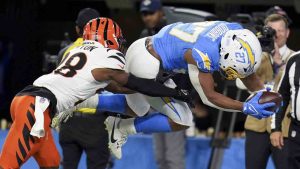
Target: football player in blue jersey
(198,49)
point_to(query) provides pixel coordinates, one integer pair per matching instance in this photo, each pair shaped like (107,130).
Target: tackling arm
(114,87)
(146,86)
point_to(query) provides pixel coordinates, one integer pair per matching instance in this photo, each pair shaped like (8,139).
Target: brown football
(268,97)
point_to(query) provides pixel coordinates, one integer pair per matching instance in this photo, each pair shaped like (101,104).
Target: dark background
(28,28)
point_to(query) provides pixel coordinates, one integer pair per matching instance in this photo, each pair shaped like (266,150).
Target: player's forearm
(146,86)
(207,93)
(217,100)
(225,102)
(149,87)
(114,87)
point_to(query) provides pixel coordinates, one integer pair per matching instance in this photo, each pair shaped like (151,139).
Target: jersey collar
(91,42)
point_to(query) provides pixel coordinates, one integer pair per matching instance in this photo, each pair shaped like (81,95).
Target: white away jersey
(73,81)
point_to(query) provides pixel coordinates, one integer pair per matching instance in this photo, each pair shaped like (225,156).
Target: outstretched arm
(114,87)
(204,84)
(146,86)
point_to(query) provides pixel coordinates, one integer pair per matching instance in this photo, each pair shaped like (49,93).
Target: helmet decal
(248,50)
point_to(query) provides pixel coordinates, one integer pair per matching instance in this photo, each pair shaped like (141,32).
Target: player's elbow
(210,98)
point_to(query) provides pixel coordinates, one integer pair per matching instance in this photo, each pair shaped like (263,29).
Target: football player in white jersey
(84,70)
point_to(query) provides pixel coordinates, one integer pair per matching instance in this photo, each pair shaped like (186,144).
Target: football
(268,97)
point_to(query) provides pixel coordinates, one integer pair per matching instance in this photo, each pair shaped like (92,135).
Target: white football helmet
(240,54)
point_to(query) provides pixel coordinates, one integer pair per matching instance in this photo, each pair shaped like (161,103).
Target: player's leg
(280,156)
(160,150)
(106,102)
(19,144)
(294,146)
(71,154)
(140,62)
(94,142)
(118,129)
(47,155)
(137,58)
(71,149)
(178,115)
(175,115)
(257,155)
(175,149)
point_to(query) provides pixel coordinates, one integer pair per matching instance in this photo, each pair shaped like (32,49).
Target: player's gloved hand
(62,117)
(163,77)
(253,108)
(183,95)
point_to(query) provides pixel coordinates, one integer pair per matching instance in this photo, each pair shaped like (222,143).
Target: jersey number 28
(73,63)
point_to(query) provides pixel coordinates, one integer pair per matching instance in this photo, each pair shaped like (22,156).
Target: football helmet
(105,31)
(240,54)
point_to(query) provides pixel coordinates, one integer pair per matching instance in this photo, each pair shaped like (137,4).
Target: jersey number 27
(190,34)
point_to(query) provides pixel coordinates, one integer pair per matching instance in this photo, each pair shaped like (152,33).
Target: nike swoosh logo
(121,66)
(253,110)
(113,140)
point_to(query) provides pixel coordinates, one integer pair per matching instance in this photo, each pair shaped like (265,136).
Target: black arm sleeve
(150,87)
(284,90)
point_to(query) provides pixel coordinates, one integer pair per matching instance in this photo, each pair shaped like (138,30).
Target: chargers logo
(249,52)
(205,59)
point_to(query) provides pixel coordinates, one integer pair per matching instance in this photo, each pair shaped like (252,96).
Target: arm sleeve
(284,90)
(150,87)
(193,73)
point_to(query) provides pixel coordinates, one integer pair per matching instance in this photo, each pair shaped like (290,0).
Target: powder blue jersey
(204,38)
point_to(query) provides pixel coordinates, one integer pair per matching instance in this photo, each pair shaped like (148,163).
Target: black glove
(183,95)
(162,77)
